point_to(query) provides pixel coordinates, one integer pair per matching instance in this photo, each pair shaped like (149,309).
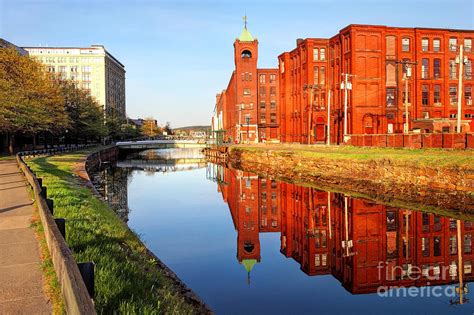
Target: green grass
(402,156)
(127,280)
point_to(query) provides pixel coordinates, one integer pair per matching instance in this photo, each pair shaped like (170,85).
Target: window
(453,73)
(86,69)
(468,94)
(453,95)
(74,69)
(272,104)
(262,78)
(405,44)
(273,118)
(437,246)
(425,68)
(86,77)
(467,243)
(425,246)
(437,68)
(391,100)
(246,54)
(282,66)
(262,104)
(315,54)
(323,54)
(246,92)
(262,117)
(468,70)
(425,222)
(453,44)
(468,44)
(425,95)
(424,44)
(436,45)
(272,78)
(453,245)
(316,75)
(272,91)
(437,94)
(262,91)
(322,78)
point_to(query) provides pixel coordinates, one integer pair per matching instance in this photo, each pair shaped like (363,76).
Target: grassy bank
(127,280)
(402,156)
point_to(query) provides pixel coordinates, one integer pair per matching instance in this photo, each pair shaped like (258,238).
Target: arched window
(246,54)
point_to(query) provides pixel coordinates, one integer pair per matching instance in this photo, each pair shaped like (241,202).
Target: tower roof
(245,36)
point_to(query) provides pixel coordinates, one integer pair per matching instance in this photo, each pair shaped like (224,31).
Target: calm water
(247,244)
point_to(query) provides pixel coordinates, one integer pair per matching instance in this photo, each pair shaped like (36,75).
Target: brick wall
(414,141)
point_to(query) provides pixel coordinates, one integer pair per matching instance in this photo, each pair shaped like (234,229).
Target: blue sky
(179,54)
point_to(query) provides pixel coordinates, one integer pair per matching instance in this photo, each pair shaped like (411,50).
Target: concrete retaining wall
(76,296)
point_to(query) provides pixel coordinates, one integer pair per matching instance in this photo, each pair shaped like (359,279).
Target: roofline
(74,47)
(408,28)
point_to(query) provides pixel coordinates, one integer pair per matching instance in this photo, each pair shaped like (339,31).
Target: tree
(85,113)
(168,129)
(30,102)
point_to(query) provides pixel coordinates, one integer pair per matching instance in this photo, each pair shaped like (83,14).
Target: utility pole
(405,101)
(461,63)
(346,85)
(406,65)
(328,132)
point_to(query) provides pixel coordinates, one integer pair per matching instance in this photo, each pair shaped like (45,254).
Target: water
(247,244)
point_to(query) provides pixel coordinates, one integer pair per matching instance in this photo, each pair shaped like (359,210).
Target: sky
(179,54)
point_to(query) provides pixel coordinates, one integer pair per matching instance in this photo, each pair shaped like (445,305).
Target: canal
(247,244)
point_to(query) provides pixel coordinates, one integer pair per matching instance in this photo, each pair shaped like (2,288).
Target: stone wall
(382,180)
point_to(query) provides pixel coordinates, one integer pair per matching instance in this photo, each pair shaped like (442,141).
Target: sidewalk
(21,283)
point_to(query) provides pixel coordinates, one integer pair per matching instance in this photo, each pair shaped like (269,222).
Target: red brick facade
(384,244)
(247,110)
(372,55)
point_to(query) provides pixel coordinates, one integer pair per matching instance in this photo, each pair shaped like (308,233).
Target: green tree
(84,112)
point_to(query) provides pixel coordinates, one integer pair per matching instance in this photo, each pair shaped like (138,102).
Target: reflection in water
(332,238)
(165,160)
(363,244)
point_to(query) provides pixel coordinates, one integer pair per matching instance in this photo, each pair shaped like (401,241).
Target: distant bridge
(164,165)
(161,144)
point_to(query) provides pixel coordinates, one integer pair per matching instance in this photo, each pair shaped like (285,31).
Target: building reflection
(363,244)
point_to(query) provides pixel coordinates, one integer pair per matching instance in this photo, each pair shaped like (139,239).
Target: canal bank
(436,179)
(129,278)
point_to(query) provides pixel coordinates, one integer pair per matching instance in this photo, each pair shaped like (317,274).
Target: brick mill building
(247,110)
(362,244)
(377,60)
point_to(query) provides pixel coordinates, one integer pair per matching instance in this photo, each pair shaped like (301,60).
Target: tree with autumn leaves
(32,101)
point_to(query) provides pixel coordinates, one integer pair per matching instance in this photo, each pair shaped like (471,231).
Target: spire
(245,36)
(248,264)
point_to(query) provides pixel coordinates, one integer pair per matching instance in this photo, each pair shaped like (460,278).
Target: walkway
(21,283)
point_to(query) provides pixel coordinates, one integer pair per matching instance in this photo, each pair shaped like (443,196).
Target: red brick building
(374,57)
(247,110)
(363,244)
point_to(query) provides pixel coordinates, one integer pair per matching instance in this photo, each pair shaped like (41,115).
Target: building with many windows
(247,110)
(387,68)
(92,68)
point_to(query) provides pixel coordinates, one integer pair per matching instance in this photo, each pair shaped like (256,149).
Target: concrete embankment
(424,179)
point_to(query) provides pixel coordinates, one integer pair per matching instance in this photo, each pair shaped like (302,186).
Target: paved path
(21,283)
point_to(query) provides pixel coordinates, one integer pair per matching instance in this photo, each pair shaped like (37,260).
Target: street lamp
(310,88)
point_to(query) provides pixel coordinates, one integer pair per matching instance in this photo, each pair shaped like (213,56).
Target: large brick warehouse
(381,63)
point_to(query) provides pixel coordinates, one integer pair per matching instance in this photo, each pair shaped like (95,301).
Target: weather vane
(245,20)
